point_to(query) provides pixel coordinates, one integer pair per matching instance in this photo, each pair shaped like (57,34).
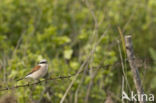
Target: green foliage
(65,32)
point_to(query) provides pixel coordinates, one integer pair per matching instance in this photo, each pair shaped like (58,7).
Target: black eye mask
(44,62)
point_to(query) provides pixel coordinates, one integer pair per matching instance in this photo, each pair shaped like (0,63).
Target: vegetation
(69,33)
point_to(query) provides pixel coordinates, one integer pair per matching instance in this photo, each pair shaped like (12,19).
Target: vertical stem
(135,72)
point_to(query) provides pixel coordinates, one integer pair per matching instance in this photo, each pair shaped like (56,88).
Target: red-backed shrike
(38,71)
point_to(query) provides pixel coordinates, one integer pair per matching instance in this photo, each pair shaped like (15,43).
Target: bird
(38,71)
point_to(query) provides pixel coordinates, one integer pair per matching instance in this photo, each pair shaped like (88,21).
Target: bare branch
(82,66)
(45,80)
(29,84)
(135,72)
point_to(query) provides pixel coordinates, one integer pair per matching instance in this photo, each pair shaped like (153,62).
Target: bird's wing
(35,69)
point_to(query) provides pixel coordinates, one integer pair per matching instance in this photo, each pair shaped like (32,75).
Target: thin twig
(122,65)
(78,88)
(91,84)
(81,68)
(123,87)
(29,84)
(45,80)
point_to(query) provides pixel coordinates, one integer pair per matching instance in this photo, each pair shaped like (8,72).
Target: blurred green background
(64,32)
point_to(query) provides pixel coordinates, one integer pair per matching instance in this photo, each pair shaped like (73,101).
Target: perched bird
(38,71)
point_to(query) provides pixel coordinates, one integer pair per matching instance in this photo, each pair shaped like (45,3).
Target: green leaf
(68,53)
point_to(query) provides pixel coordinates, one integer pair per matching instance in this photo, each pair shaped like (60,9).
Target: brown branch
(44,80)
(135,72)
(29,84)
